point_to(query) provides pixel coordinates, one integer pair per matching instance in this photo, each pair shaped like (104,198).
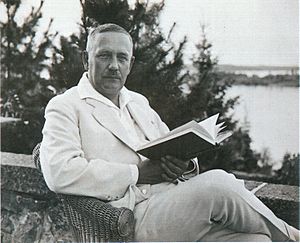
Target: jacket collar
(110,120)
(144,120)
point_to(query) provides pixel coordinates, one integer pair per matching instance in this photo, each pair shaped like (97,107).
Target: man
(89,141)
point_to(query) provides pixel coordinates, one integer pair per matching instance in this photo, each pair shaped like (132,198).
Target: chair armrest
(95,220)
(91,219)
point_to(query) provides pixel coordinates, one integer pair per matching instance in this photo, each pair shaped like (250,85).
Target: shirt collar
(86,90)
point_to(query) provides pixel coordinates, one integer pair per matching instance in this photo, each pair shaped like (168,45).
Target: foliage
(265,162)
(289,172)
(207,97)
(24,92)
(67,67)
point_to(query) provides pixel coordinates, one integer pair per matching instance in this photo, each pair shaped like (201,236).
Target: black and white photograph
(149,121)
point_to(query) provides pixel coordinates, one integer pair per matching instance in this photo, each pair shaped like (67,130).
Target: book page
(206,129)
(183,127)
(219,127)
(196,130)
(176,130)
(222,136)
(209,125)
(190,125)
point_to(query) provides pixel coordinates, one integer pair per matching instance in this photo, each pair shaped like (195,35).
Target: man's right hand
(150,172)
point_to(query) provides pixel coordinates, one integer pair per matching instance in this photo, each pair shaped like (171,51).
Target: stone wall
(30,213)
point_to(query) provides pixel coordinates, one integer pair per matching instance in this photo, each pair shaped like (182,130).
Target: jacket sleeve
(64,166)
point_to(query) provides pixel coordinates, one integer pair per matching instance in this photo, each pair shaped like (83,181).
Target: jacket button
(144,191)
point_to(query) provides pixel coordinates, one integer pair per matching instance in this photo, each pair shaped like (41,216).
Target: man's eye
(123,59)
(103,55)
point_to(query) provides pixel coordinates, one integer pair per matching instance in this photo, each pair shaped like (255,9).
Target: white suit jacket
(85,149)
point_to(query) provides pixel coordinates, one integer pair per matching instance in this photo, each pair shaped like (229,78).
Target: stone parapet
(32,213)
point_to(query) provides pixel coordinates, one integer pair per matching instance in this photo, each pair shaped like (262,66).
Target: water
(273,116)
(263,73)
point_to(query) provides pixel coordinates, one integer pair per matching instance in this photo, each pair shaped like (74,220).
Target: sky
(243,32)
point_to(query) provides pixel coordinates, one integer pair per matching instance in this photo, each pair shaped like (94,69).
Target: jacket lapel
(143,119)
(110,120)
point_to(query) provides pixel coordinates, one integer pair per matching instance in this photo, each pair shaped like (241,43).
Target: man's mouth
(111,77)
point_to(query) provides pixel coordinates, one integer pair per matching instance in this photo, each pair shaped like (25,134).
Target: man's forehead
(112,37)
(115,41)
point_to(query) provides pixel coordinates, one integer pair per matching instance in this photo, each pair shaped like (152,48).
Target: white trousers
(213,206)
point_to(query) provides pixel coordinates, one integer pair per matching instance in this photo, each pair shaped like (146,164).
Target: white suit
(86,151)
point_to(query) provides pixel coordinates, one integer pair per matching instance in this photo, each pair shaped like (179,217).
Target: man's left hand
(173,167)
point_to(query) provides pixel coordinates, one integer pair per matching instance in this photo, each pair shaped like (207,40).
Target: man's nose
(113,65)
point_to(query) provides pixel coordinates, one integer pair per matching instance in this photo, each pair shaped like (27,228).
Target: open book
(188,140)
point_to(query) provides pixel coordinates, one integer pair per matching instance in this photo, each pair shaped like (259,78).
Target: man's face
(109,62)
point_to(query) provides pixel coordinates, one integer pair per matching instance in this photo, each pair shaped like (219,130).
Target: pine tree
(24,92)
(158,72)
(67,68)
(207,97)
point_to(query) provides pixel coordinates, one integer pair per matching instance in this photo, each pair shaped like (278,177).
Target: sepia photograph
(149,121)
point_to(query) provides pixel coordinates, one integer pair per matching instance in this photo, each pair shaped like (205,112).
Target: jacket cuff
(194,171)
(134,173)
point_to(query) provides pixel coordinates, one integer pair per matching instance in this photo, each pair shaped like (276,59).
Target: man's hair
(105,28)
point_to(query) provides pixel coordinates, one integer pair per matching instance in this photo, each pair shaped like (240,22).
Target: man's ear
(85,60)
(131,62)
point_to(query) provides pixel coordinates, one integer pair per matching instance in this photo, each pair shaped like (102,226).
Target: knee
(217,176)
(260,238)
(244,237)
(218,192)
(220,174)
(217,184)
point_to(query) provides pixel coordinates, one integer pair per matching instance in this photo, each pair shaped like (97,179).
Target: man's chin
(113,79)
(111,91)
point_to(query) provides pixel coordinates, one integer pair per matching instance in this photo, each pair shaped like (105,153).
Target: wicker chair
(93,220)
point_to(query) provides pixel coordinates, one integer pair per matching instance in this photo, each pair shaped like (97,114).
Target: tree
(289,172)
(207,97)
(23,60)
(67,68)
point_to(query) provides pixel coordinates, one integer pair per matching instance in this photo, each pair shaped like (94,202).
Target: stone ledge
(26,180)
(18,173)
(30,212)
(26,196)
(17,159)
(282,199)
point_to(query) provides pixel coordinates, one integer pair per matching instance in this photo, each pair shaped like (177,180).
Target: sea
(271,114)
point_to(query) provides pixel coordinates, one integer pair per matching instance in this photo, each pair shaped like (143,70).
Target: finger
(173,167)
(168,179)
(168,172)
(176,161)
(183,164)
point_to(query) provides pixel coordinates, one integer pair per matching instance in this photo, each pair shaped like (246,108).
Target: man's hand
(168,169)
(173,167)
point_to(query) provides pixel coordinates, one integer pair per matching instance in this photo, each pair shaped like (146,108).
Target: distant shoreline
(269,80)
(233,68)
